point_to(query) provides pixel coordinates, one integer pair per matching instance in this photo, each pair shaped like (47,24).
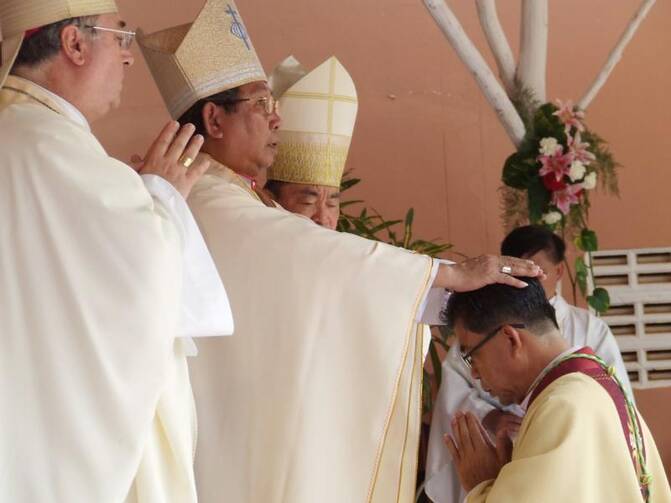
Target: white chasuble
(90,286)
(571,448)
(317,397)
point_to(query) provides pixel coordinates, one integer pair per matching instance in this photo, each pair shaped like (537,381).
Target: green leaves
(370,224)
(587,241)
(539,199)
(518,171)
(599,300)
(581,273)
(348,183)
(546,124)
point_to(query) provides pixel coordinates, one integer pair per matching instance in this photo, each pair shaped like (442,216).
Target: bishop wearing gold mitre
(317,397)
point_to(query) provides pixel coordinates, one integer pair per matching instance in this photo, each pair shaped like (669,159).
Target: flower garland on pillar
(557,165)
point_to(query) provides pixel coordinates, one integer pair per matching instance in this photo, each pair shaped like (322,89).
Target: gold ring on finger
(186,161)
(506,269)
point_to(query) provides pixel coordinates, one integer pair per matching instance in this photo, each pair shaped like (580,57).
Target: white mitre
(318,111)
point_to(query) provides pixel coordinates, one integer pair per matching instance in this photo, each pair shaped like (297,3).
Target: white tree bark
(616,54)
(533,47)
(471,57)
(498,43)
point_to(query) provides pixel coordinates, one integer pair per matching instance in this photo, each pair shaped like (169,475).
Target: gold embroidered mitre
(19,16)
(196,60)
(318,115)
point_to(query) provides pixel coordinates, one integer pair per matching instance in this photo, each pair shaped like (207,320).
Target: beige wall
(425,136)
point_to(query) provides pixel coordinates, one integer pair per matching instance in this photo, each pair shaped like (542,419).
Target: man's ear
(74,45)
(514,339)
(560,270)
(211,115)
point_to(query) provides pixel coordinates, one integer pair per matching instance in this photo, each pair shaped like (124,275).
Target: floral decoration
(558,164)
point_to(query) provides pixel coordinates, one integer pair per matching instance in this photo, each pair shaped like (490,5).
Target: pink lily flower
(563,199)
(558,164)
(570,116)
(579,149)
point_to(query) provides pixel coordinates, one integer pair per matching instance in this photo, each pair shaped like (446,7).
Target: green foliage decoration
(549,179)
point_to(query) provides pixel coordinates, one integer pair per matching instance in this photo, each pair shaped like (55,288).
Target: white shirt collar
(525,402)
(68,109)
(561,309)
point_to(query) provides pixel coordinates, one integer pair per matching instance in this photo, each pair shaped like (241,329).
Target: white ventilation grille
(639,284)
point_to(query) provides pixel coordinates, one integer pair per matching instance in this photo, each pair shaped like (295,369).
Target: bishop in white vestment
(318,396)
(104,280)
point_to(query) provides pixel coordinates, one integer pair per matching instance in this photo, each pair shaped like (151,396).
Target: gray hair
(47,42)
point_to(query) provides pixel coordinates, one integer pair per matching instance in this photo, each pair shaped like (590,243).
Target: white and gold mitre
(196,60)
(318,115)
(19,16)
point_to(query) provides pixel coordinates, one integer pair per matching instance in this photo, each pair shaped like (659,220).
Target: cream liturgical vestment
(96,402)
(317,397)
(459,391)
(571,448)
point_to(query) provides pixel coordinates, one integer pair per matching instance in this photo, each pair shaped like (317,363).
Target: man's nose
(319,216)
(275,120)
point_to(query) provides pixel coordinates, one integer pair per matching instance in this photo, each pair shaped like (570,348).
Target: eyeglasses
(125,38)
(270,104)
(468,357)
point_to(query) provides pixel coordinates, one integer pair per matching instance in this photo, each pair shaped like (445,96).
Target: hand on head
(484,270)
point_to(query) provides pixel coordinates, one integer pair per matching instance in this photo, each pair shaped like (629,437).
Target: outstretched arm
(484,270)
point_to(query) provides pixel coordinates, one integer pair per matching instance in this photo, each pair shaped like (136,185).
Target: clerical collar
(248,180)
(66,108)
(550,366)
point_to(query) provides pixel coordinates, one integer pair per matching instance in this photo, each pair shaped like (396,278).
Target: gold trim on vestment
(27,92)
(311,163)
(34,98)
(218,169)
(413,316)
(419,339)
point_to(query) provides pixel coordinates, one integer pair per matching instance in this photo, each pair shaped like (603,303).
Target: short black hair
(274,187)
(194,115)
(491,306)
(47,41)
(530,239)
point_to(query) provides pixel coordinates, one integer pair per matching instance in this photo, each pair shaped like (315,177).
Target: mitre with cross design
(196,60)
(318,111)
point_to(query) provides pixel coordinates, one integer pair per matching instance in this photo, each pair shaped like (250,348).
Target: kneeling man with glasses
(581,438)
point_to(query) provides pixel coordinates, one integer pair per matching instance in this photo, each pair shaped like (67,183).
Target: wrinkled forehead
(305,189)
(256,88)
